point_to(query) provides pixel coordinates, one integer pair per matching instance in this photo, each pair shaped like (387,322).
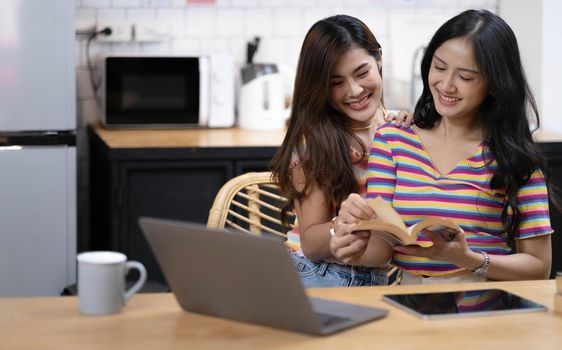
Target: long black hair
(509,112)
(327,132)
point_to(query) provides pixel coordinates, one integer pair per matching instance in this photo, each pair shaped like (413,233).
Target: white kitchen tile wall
(128,3)
(228,24)
(258,21)
(94,3)
(200,22)
(224,26)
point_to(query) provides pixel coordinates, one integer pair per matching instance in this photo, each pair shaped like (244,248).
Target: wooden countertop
(228,137)
(546,136)
(183,138)
(155,321)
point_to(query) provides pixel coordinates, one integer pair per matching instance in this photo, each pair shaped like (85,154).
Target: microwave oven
(167,91)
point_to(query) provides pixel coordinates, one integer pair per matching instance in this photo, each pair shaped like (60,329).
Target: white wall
(537,26)
(552,66)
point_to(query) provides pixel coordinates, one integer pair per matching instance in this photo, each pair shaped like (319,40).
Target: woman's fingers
(343,233)
(390,117)
(351,254)
(406,118)
(355,209)
(402,118)
(346,250)
(345,242)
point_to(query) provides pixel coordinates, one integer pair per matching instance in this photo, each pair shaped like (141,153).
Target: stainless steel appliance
(168,91)
(37,147)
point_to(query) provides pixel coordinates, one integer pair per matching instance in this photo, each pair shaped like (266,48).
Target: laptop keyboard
(328,320)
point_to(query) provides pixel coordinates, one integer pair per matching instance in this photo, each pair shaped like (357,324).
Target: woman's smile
(360,104)
(447,100)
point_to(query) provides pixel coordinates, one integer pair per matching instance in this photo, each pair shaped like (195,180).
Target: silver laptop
(242,277)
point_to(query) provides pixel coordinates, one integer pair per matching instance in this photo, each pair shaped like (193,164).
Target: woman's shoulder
(390,130)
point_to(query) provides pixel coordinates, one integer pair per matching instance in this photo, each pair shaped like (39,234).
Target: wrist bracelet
(331,224)
(483,270)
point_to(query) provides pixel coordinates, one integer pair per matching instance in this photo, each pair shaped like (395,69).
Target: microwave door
(204,90)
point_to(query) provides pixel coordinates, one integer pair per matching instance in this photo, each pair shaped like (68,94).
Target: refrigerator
(37,147)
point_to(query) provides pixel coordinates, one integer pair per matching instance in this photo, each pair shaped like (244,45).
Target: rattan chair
(251,203)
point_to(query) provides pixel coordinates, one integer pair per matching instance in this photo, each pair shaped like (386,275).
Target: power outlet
(151,31)
(121,31)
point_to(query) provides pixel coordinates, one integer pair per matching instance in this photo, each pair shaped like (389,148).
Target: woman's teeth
(449,99)
(360,102)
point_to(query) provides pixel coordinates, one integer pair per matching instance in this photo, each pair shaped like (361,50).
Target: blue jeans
(326,274)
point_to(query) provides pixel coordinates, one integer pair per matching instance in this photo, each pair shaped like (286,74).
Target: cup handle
(142,278)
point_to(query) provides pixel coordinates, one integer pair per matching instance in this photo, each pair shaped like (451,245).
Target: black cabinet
(170,183)
(553,154)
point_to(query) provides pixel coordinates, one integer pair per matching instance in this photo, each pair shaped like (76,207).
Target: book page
(388,224)
(446,228)
(388,237)
(377,227)
(386,213)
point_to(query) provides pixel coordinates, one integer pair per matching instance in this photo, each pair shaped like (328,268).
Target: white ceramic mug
(101,281)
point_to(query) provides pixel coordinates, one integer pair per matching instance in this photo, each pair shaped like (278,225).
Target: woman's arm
(360,248)
(313,214)
(532,260)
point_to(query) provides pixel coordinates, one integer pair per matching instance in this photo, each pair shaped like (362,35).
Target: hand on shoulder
(400,118)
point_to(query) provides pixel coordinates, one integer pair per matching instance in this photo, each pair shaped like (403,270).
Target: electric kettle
(262,95)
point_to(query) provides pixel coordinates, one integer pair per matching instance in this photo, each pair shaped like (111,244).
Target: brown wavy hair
(326,158)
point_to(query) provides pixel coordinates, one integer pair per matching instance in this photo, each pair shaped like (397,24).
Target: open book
(390,226)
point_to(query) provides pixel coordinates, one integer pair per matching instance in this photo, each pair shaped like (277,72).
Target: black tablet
(462,303)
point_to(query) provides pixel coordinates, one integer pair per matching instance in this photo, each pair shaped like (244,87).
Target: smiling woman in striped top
(337,107)
(470,157)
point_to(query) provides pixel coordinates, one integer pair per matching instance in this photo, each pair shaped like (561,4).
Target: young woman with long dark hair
(470,157)
(337,106)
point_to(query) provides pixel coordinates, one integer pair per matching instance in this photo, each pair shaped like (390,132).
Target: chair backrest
(249,202)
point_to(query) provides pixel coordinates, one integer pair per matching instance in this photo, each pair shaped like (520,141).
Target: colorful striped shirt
(401,171)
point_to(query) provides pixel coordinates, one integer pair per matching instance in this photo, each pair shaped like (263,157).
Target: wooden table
(155,321)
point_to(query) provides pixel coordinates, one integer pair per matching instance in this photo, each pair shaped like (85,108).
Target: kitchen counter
(546,136)
(181,138)
(228,137)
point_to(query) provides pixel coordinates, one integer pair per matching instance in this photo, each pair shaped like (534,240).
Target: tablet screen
(462,303)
